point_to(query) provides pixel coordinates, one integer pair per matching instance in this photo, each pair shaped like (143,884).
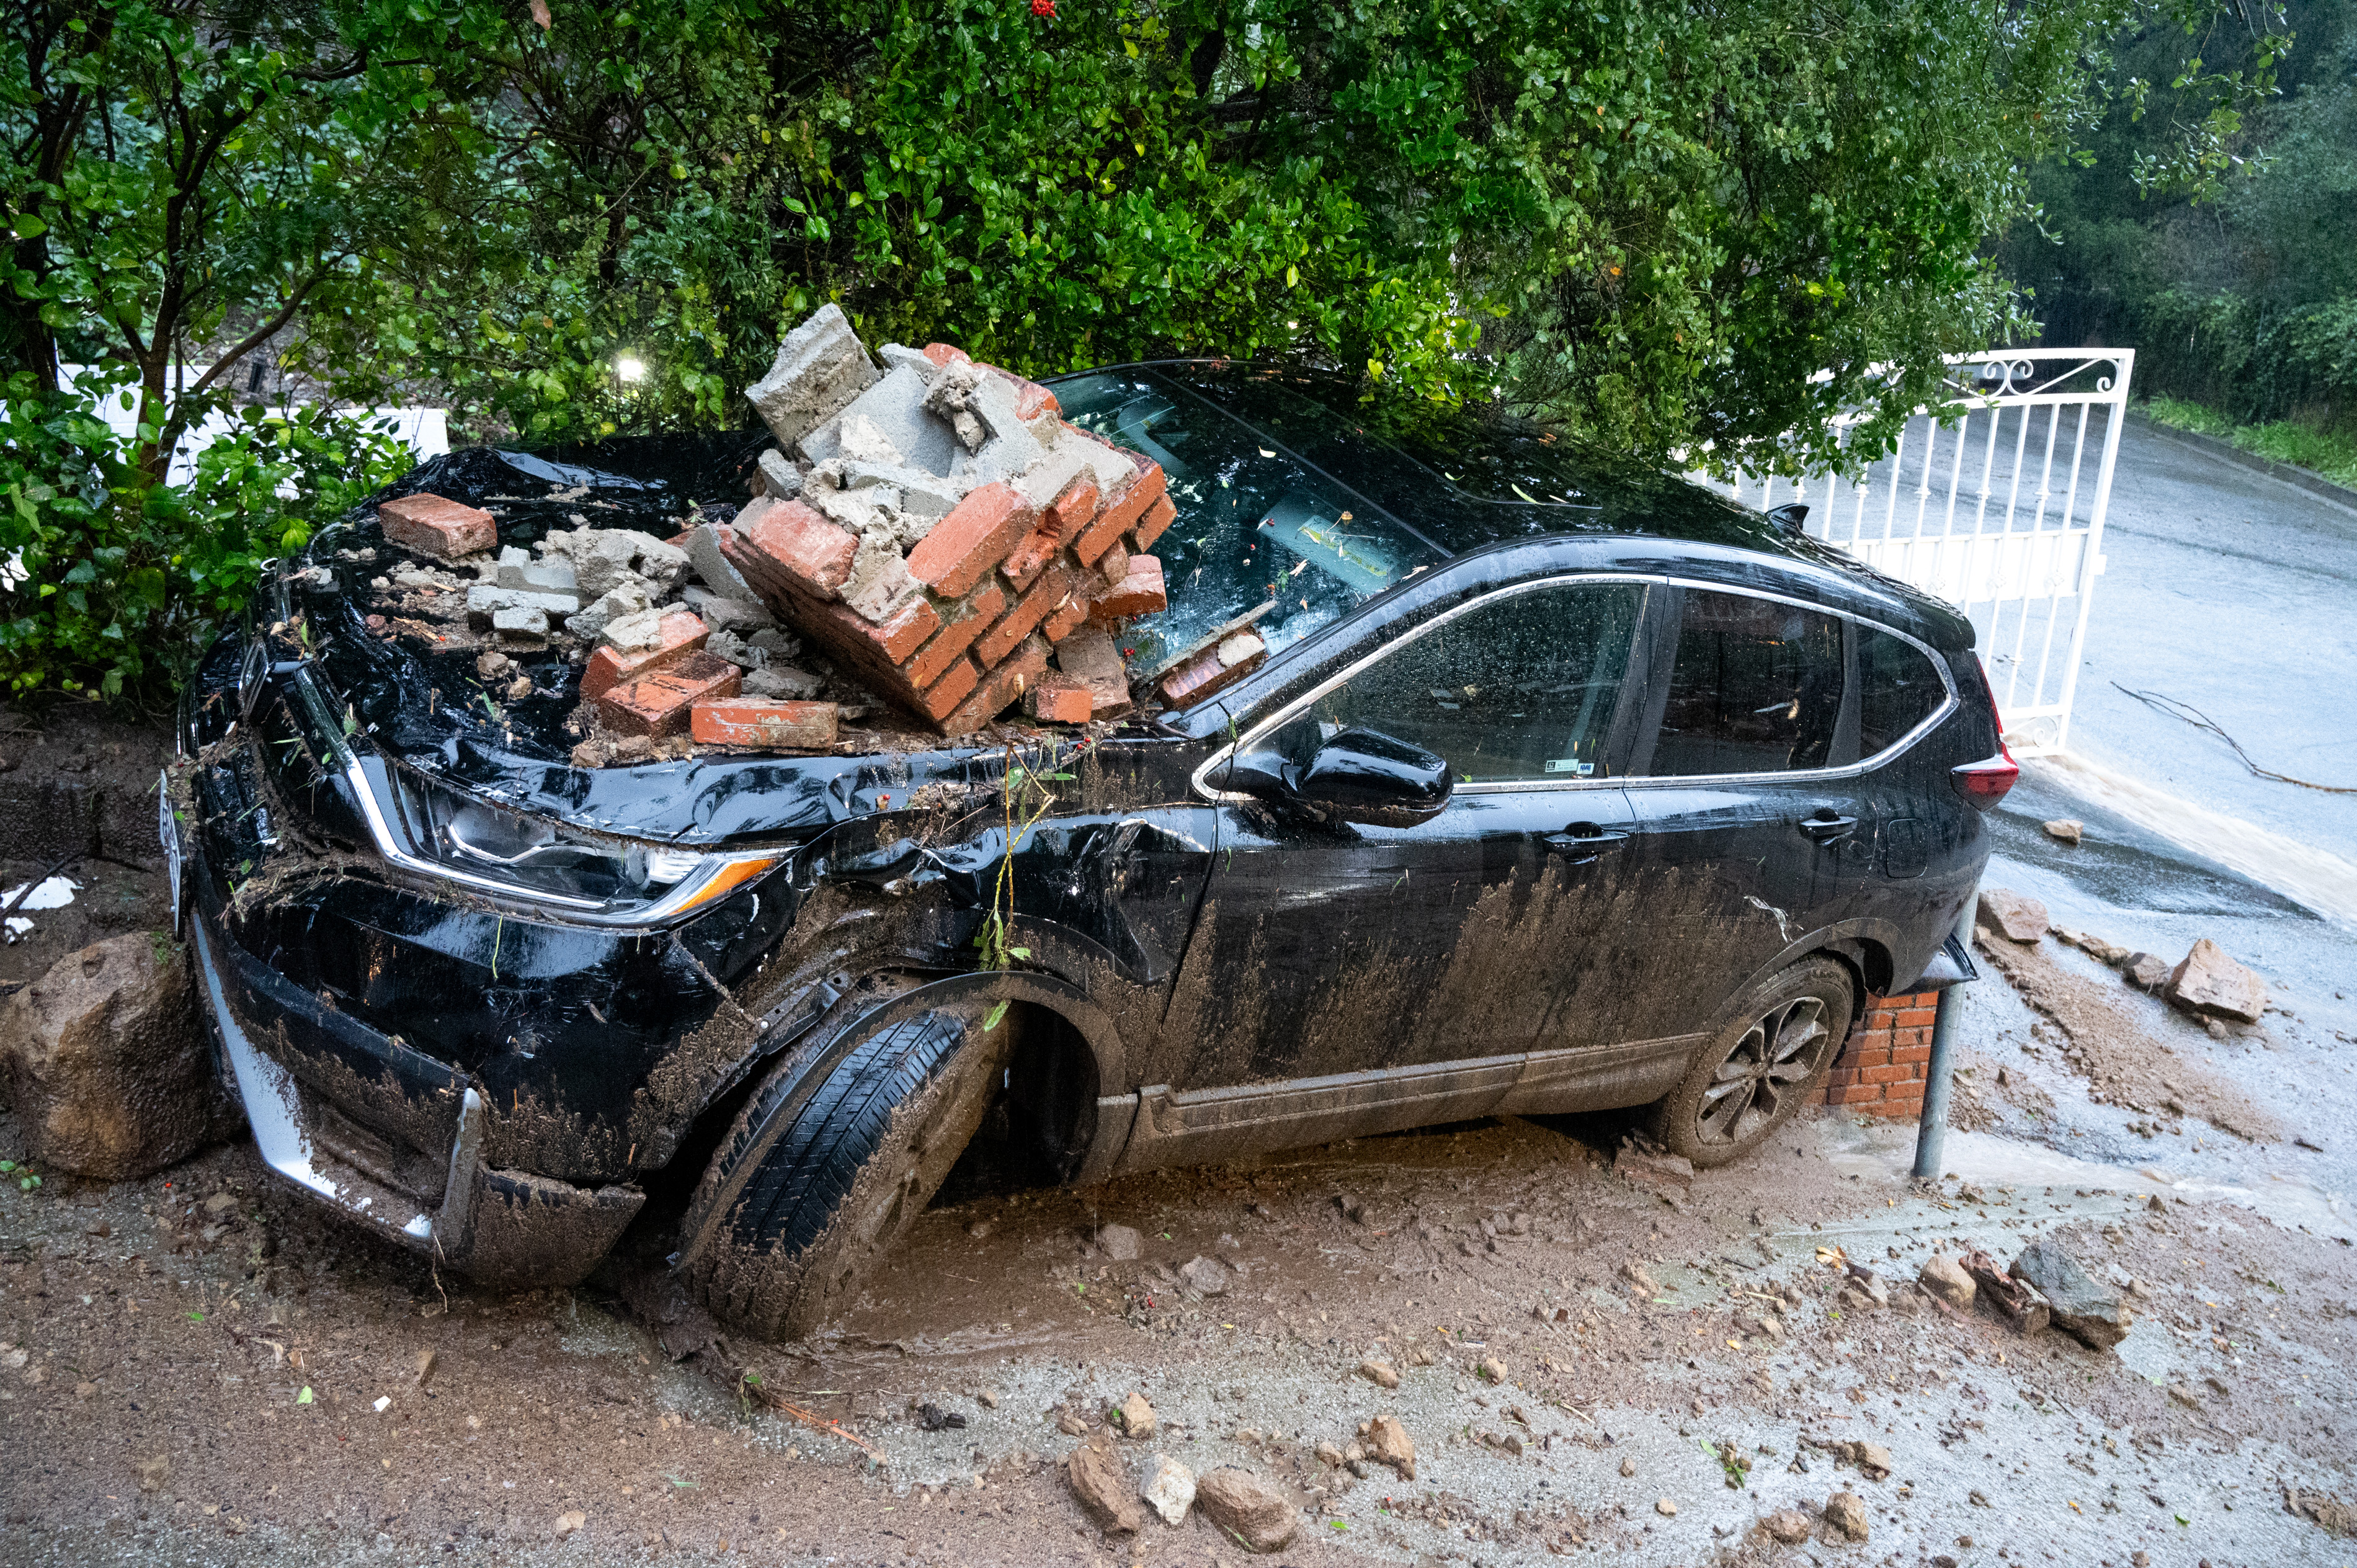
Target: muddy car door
(1747,813)
(1340,942)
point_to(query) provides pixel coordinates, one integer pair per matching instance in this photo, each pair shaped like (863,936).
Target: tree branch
(259,334)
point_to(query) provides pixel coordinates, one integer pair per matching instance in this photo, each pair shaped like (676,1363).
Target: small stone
(1070,1424)
(152,1473)
(1171,1490)
(1846,1511)
(987,1398)
(219,1204)
(2066,830)
(566,1523)
(1665,1507)
(2011,915)
(1979,1499)
(2080,1307)
(1379,1373)
(1790,1526)
(1205,1276)
(1135,1416)
(1100,1483)
(1872,1458)
(1247,1509)
(1121,1243)
(492,665)
(1628,1468)
(1945,1278)
(2145,971)
(1492,1369)
(2214,1029)
(1389,1443)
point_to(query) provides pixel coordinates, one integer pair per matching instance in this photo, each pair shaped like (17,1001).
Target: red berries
(1044,8)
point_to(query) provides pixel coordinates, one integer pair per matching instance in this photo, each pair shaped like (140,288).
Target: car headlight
(456,837)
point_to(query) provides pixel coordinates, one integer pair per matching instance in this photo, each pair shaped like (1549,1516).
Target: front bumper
(503,1228)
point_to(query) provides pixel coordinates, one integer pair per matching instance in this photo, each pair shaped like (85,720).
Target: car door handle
(1827,826)
(1585,841)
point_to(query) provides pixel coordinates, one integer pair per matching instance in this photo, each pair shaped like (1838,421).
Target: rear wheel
(807,1194)
(1761,1067)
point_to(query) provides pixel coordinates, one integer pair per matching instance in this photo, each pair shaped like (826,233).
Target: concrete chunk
(721,613)
(898,354)
(704,556)
(519,623)
(781,480)
(891,413)
(820,369)
(484,603)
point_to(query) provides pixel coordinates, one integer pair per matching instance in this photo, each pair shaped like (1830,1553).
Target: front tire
(811,1199)
(1761,1067)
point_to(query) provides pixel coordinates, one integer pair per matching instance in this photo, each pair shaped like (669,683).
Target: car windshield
(1258,524)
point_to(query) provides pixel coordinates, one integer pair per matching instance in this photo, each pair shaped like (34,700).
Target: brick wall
(1881,1068)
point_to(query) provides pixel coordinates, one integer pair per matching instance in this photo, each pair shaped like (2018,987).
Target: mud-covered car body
(1224,948)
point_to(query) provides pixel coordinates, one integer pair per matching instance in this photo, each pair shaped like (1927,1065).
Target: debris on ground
(1846,1511)
(1945,1278)
(1135,1416)
(2011,915)
(1654,1168)
(2208,983)
(1248,1509)
(1169,1490)
(1388,1444)
(2016,1301)
(2080,1307)
(106,1063)
(1379,1373)
(1100,1483)
(2066,830)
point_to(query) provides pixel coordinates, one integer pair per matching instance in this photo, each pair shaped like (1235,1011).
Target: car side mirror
(1357,776)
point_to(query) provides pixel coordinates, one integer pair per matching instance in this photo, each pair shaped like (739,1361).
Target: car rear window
(1756,688)
(1899,688)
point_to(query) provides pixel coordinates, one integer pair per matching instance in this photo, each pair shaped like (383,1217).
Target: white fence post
(2022,557)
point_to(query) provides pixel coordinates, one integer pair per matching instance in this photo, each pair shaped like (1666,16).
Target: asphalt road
(2232,591)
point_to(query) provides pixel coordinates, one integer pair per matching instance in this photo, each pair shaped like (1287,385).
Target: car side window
(1899,689)
(1520,687)
(1755,687)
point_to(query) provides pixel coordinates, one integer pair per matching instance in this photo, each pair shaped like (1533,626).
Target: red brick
(1911,1036)
(1033,402)
(1114,565)
(1867,1040)
(1880,1057)
(1918,1017)
(961,624)
(941,698)
(1841,1077)
(1140,594)
(1018,623)
(907,630)
(1000,688)
(437,525)
(1027,560)
(1066,620)
(683,633)
(975,537)
(657,705)
(944,355)
(1204,674)
(1054,700)
(1854,1094)
(1885,1075)
(1910,1053)
(786,546)
(1150,527)
(1924,999)
(1124,509)
(772,727)
(1075,507)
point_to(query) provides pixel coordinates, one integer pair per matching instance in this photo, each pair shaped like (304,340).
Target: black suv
(1563,787)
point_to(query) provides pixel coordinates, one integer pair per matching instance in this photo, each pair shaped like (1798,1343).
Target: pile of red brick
(1005,575)
(1884,1063)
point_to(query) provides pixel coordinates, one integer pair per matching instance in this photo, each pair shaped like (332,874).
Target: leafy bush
(112,583)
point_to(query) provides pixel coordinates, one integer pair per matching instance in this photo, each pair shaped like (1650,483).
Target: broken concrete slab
(779,478)
(2011,915)
(720,579)
(624,599)
(483,603)
(519,625)
(516,569)
(887,423)
(2209,982)
(819,370)
(724,613)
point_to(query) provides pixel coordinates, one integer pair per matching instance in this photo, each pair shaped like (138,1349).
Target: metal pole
(1931,1131)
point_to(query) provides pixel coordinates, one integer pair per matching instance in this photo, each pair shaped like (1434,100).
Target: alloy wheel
(1774,1059)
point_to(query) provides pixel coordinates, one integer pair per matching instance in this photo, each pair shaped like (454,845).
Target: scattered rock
(1100,1483)
(1634,1273)
(1945,1279)
(2080,1307)
(2209,982)
(1135,1416)
(1492,1369)
(1979,1498)
(1665,1507)
(2066,829)
(110,1072)
(2214,1029)
(1204,1276)
(2322,1508)
(1070,1424)
(1846,1511)
(933,1418)
(2011,915)
(1389,1443)
(1628,1468)
(1379,1373)
(1871,1458)
(1121,1243)
(2018,1303)
(152,1473)
(566,1523)
(1171,1491)
(1761,1325)
(2145,971)
(1250,1511)
(987,1398)
(1790,1526)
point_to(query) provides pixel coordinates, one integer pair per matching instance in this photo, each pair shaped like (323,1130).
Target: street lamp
(629,369)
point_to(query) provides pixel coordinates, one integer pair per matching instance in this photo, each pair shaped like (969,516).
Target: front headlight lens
(427,827)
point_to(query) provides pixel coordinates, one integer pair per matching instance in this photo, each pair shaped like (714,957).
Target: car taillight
(1984,783)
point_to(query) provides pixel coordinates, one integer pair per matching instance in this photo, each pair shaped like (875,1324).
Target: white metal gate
(1995,501)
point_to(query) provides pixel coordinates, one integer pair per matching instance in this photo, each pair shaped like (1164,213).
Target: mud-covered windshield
(1255,521)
